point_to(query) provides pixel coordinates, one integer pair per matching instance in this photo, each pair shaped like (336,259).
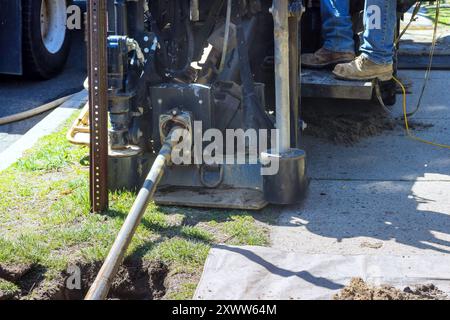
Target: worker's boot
(363,69)
(323,58)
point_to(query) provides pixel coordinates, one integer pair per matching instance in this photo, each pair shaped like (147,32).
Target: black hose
(179,13)
(190,42)
(35,111)
(254,116)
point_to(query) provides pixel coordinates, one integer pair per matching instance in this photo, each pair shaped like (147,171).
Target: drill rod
(100,288)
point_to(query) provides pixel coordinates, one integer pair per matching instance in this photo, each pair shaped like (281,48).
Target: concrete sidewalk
(387,197)
(422,20)
(46,126)
(417,39)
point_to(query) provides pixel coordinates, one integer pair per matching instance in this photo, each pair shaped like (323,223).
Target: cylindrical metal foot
(289,185)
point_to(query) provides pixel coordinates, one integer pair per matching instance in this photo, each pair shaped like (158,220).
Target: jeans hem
(377,60)
(333,49)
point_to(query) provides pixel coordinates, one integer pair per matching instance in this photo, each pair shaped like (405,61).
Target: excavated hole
(136,280)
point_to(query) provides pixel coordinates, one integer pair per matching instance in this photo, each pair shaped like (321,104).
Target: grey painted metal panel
(10,36)
(322,84)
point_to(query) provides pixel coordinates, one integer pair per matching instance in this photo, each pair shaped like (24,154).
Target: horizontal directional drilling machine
(171,73)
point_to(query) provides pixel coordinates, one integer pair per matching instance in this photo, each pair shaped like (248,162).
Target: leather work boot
(324,58)
(363,69)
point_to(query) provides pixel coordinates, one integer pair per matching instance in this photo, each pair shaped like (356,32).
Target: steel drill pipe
(280,14)
(100,288)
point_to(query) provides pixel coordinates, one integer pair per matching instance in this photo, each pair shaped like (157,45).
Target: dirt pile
(347,129)
(360,290)
(343,123)
(136,280)
(13,273)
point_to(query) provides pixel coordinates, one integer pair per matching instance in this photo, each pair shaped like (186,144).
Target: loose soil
(136,280)
(347,129)
(344,124)
(360,290)
(14,273)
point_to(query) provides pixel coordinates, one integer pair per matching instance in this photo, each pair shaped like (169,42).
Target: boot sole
(381,77)
(331,64)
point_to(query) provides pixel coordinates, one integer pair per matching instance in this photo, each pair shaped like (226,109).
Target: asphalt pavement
(18,94)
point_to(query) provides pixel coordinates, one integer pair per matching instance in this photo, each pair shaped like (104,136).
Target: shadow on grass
(189,228)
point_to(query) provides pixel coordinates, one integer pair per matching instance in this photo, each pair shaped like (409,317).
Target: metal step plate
(323,84)
(233,198)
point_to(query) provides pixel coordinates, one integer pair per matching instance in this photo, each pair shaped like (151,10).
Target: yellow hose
(408,131)
(427,75)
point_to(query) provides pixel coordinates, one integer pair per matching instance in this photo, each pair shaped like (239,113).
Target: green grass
(51,153)
(45,219)
(181,252)
(184,293)
(244,231)
(196,233)
(444,14)
(8,289)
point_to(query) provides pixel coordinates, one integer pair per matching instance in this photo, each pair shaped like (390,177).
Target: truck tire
(46,41)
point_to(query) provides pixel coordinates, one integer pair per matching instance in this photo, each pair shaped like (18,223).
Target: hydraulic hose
(226,37)
(34,112)
(100,288)
(254,116)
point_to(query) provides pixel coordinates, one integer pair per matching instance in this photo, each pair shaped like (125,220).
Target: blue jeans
(380,19)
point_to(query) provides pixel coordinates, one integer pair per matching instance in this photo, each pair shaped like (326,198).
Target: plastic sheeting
(258,273)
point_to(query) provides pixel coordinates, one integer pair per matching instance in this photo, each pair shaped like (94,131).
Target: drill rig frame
(162,59)
(142,74)
(229,64)
(150,100)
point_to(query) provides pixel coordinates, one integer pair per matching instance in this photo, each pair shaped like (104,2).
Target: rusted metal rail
(98,104)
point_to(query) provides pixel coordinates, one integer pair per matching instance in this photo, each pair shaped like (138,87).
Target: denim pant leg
(337,25)
(380,20)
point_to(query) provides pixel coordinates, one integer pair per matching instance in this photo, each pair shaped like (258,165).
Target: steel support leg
(98,105)
(295,12)
(288,184)
(282,95)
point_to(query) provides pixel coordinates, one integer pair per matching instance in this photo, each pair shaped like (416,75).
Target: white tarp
(240,273)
